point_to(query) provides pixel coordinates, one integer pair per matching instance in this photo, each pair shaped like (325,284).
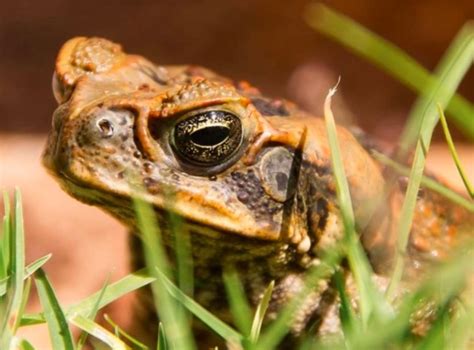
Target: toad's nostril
(106,127)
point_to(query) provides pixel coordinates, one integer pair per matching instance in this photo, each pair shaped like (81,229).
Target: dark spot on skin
(270,107)
(124,136)
(148,181)
(322,210)
(123,121)
(242,196)
(151,185)
(148,167)
(421,193)
(282,180)
(323,170)
(402,183)
(212,178)
(137,154)
(121,175)
(249,191)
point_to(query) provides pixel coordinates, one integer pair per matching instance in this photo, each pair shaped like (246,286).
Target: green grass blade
(436,337)
(99,332)
(59,332)
(462,328)
(113,292)
(17,266)
(15,284)
(260,313)
(5,332)
(170,312)
(239,305)
(219,327)
(451,74)
(25,345)
(372,302)
(440,287)
(386,56)
(92,315)
(5,238)
(24,301)
(448,74)
(184,259)
(30,270)
(161,343)
(349,322)
(277,330)
(454,153)
(120,332)
(182,246)
(426,181)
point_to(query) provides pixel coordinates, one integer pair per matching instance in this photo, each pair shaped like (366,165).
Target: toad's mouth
(203,236)
(209,244)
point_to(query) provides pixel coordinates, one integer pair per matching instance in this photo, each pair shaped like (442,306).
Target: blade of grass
(454,66)
(182,243)
(162,344)
(170,312)
(184,261)
(5,333)
(371,300)
(120,332)
(350,323)
(387,56)
(260,313)
(454,153)
(15,285)
(24,301)
(25,345)
(277,330)
(461,328)
(5,238)
(436,337)
(239,305)
(448,74)
(113,292)
(219,327)
(92,314)
(427,182)
(30,270)
(99,332)
(59,332)
(446,283)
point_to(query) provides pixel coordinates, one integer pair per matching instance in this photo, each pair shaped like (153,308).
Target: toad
(249,175)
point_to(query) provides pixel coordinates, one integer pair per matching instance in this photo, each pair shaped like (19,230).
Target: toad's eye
(208,138)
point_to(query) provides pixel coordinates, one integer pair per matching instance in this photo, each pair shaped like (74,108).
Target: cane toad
(250,175)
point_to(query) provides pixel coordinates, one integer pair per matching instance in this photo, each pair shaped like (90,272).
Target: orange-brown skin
(235,209)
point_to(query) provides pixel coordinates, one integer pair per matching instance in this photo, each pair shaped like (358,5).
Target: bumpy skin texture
(265,204)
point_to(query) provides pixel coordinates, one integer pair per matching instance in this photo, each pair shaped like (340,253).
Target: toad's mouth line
(121,207)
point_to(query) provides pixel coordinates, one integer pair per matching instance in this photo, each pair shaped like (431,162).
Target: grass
(380,320)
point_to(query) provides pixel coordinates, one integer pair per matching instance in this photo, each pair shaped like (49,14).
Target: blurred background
(265,42)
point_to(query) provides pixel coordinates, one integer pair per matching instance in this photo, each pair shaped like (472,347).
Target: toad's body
(250,176)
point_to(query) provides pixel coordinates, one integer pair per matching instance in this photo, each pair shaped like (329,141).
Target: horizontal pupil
(210,136)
